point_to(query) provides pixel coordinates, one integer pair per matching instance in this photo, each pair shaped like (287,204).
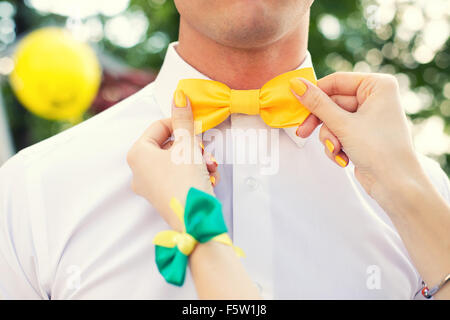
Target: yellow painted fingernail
(298,86)
(341,161)
(213,180)
(202,146)
(330,146)
(180,99)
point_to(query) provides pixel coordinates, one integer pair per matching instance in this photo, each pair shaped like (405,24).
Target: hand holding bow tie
(176,165)
(364,121)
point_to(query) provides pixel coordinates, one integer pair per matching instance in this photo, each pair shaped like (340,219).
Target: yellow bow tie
(212,101)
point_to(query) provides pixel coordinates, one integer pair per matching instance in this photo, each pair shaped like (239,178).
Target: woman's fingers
(333,147)
(186,144)
(214,177)
(167,145)
(341,83)
(332,111)
(308,126)
(211,162)
(182,118)
(158,133)
(211,165)
(320,104)
(338,157)
(341,159)
(348,103)
(329,140)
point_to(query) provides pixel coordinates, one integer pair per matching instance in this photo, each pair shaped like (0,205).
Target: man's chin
(251,33)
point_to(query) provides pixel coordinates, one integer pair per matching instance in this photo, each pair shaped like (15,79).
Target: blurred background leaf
(407,38)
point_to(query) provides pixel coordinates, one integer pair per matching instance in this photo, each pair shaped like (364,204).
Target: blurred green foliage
(361,36)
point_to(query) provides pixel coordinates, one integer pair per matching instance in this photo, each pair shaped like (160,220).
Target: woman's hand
(363,119)
(163,169)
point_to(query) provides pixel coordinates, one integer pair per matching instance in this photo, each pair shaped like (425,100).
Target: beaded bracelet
(429,293)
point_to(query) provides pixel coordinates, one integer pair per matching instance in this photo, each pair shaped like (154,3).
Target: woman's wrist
(211,249)
(172,220)
(400,188)
(406,190)
(421,217)
(218,273)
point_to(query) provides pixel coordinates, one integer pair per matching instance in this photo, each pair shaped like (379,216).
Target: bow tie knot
(244,101)
(185,243)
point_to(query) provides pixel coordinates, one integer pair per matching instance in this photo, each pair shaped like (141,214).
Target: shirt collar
(174,69)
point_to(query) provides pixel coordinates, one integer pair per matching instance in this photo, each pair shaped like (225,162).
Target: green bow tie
(203,221)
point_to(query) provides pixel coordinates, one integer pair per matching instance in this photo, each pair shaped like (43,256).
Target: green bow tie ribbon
(203,222)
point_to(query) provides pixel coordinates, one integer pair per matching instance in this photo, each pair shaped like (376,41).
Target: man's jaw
(242,68)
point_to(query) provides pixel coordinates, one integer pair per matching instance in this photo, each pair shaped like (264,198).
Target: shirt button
(251,183)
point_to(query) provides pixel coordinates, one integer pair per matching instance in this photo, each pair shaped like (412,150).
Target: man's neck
(243,68)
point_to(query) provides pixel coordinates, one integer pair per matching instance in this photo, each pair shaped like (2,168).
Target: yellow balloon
(55,76)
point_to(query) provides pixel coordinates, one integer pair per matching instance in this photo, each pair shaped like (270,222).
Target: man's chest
(304,223)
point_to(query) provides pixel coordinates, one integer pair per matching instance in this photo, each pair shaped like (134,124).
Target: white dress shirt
(71,228)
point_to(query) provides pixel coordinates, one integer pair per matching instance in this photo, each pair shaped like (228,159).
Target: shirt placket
(252,219)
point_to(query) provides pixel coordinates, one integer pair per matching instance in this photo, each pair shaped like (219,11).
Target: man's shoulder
(110,130)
